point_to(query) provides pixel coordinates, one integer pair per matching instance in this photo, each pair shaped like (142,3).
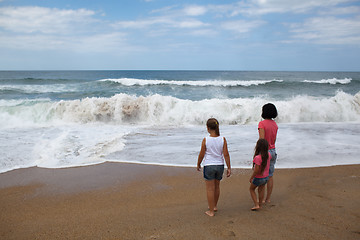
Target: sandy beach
(129,201)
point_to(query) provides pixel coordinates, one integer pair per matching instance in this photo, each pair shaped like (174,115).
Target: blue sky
(305,35)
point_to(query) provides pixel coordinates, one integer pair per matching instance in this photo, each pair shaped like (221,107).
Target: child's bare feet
(215,209)
(255,208)
(211,214)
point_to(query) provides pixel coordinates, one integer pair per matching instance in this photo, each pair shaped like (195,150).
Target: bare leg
(254,197)
(217,193)
(261,191)
(210,192)
(269,186)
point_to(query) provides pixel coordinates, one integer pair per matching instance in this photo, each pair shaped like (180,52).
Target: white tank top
(214,151)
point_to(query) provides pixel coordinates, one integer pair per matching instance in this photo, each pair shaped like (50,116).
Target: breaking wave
(216,83)
(330,81)
(166,110)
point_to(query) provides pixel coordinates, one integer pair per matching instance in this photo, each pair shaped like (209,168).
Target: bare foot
(255,208)
(211,214)
(215,209)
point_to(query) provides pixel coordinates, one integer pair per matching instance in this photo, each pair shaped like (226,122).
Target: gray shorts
(272,161)
(212,172)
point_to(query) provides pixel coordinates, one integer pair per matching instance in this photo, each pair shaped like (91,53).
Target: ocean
(59,119)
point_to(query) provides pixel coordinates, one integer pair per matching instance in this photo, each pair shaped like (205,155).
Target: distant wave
(169,111)
(216,83)
(330,81)
(55,88)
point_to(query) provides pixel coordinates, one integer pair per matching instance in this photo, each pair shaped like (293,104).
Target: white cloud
(164,21)
(195,10)
(107,42)
(39,28)
(191,23)
(44,20)
(328,30)
(241,26)
(204,32)
(341,11)
(82,30)
(262,7)
(142,23)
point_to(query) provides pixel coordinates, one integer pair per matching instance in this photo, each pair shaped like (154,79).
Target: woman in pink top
(260,174)
(268,130)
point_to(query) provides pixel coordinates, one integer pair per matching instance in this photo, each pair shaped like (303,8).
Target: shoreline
(135,201)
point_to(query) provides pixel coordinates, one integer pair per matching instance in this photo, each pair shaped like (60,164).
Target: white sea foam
(330,81)
(298,145)
(60,146)
(217,83)
(170,111)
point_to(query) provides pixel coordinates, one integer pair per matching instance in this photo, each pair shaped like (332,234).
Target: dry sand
(128,201)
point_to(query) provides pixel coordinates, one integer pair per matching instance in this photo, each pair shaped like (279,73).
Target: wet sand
(130,201)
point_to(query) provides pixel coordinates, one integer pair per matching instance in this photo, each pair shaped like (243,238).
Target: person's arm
(227,158)
(261,133)
(257,170)
(201,154)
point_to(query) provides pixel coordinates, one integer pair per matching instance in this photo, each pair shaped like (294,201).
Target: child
(260,176)
(213,150)
(268,130)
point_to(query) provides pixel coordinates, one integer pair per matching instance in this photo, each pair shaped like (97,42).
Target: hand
(198,168)
(251,180)
(228,173)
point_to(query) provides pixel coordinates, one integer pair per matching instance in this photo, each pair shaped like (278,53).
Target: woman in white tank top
(213,153)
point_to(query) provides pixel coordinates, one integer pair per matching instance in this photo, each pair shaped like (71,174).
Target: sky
(248,35)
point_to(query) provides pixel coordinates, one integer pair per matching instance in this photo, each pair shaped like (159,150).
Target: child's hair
(269,111)
(262,148)
(213,124)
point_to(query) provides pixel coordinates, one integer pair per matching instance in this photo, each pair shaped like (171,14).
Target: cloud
(241,26)
(195,10)
(84,30)
(105,42)
(328,30)
(39,28)
(44,20)
(341,11)
(164,21)
(262,7)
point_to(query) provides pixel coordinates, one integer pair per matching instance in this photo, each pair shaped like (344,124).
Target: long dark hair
(262,148)
(213,124)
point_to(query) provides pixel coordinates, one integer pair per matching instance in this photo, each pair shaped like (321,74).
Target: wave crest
(216,83)
(170,111)
(332,81)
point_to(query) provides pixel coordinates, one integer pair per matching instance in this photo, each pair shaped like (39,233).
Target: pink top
(271,129)
(257,160)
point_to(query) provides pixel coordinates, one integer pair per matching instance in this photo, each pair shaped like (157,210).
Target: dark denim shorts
(260,181)
(212,172)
